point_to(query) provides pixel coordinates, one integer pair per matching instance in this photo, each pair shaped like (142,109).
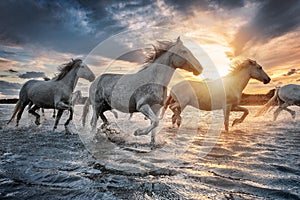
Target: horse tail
(85,110)
(16,110)
(272,102)
(166,104)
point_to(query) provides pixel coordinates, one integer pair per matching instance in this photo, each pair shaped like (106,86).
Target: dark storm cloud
(291,72)
(28,75)
(12,71)
(4,61)
(4,53)
(7,88)
(65,26)
(187,7)
(274,18)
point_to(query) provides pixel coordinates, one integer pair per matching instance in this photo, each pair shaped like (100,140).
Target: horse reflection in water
(143,91)
(54,93)
(284,96)
(211,95)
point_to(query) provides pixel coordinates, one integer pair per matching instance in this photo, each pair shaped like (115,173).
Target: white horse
(202,94)
(54,93)
(143,91)
(285,96)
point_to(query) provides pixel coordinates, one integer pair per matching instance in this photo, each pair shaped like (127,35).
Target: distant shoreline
(247,99)
(9,101)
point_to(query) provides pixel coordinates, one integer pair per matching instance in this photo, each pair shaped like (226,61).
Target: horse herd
(146,90)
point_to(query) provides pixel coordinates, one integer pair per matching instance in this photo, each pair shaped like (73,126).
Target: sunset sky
(38,36)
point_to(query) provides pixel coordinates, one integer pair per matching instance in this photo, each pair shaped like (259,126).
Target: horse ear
(252,62)
(179,40)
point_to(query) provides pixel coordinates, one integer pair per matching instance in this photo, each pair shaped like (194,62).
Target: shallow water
(258,159)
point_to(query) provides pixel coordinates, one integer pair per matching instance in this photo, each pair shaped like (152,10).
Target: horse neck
(71,79)
(161,69)
(239,80)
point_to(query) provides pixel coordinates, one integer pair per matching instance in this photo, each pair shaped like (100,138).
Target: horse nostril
(267,81)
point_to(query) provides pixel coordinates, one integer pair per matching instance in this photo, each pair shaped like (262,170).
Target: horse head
(84,71)
(257,72)
(184,59)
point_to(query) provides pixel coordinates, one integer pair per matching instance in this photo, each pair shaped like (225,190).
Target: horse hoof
(236,121)
(37,123)
(68,132)
(152,146)
(104,126)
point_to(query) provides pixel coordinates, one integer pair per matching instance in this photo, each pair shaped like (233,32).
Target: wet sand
(258,159)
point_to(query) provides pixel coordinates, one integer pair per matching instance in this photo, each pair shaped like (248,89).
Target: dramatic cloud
(9,89)
(273,19)
(12,71)
(66,26)
(39,35)
(28,75)
(291,72)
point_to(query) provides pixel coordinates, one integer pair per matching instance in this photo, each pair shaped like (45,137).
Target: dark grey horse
(143,91)
(54,93)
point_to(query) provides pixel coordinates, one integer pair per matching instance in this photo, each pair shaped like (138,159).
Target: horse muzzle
(92,78)
(196,73)
(266,81)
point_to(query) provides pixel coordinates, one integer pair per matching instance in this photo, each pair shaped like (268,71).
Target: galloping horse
(143,91)
(206,91)
(285,96)
(54,93)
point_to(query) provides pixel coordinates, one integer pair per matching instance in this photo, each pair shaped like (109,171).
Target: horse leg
(148,112)
(68,121)
(58,116)
(175,107)
(37,116)
(154,130)
(43,112)
(226,111)
(102,116)
(96,112)
(23,105)
(276,113)
(279,109)
(242,118)
(53,116)
(293,113)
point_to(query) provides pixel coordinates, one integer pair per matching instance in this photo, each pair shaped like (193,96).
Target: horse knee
(174,119)
(246,112)
(178,121)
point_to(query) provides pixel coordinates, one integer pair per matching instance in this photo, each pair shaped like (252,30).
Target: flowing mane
(158,50)
(65,68)
(238,65)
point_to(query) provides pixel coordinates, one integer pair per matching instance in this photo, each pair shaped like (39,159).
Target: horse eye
(259,67)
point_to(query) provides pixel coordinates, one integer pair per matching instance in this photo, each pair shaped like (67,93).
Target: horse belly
(209,104)
(290,94)
(41,98)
